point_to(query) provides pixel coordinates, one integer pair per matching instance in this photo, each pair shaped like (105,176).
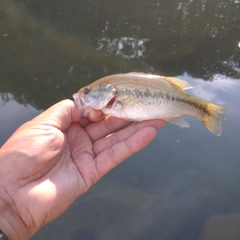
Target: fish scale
(140,96)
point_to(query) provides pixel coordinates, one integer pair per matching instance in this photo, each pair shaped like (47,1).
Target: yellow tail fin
(213,120)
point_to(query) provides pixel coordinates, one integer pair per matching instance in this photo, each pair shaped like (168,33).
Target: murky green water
(184,185)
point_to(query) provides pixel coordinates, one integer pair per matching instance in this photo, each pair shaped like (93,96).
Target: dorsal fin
(179,83)
(182,84)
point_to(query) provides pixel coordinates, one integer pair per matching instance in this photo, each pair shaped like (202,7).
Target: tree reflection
(50,50)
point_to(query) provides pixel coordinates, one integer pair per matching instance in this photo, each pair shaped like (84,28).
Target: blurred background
(185,184)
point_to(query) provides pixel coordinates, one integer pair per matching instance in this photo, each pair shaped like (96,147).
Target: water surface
(184,185)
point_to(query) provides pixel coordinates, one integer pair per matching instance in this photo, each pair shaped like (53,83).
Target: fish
(139,96)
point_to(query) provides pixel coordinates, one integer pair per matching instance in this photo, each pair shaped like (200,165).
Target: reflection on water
(125,47)
(39,44)
(185,184)
(12,115)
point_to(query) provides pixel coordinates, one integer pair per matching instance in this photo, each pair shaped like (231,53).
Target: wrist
(10,223)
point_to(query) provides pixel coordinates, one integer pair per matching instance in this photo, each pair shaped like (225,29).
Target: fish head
(95,95)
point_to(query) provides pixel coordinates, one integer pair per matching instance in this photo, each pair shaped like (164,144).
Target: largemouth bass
(140,96)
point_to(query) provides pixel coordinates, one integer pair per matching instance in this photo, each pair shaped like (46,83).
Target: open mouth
(80,101)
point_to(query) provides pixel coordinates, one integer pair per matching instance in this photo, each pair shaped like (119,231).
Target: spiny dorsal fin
(179,83)
(182,84)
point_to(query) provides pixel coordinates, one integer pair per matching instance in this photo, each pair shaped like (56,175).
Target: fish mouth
(78,100)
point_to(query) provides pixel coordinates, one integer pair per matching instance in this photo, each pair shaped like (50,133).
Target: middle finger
(119,136)
(105,127)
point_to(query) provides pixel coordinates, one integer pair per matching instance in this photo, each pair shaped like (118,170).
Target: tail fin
(213,120)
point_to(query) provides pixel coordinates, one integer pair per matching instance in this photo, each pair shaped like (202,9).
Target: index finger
(63,113)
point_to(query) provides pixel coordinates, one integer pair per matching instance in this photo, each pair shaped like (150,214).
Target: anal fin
(178,121)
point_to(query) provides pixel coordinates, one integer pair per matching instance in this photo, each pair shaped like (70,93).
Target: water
(184,185)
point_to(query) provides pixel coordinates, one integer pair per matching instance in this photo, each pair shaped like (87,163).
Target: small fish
(139,96)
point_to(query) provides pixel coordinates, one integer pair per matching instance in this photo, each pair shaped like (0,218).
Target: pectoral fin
(120,103)
(178,121)
(117,105)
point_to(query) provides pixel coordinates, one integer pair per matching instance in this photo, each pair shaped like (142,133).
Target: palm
(65,159)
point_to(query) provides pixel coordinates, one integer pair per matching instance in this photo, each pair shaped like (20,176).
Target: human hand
(51,160)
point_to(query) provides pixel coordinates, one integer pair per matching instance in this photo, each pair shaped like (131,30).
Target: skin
(54,158)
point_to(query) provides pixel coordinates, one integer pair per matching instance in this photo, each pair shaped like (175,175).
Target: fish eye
(86,90)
